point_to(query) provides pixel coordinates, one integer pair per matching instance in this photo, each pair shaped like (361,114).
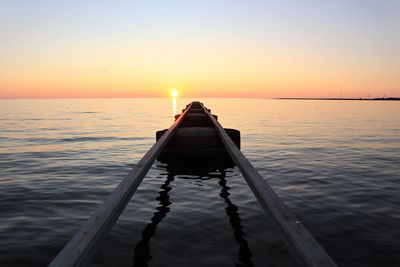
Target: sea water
(336,165)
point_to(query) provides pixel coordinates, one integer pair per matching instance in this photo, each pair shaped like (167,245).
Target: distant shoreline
(332,98)
(205,97)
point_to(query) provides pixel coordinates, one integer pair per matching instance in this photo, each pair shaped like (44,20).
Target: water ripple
(336,165)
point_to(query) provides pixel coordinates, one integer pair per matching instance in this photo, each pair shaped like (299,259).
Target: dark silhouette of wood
(301,243)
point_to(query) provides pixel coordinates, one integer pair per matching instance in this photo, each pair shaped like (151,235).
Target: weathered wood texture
(81,247)
(301,243)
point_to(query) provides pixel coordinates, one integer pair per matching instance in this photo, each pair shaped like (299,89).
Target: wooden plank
(81,247)
(301,243)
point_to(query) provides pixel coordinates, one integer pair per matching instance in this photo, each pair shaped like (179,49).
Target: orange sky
(77,51)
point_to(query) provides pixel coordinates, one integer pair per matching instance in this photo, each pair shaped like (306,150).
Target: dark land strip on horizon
(335,98)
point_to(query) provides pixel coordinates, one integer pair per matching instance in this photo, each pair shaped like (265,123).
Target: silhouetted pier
(195,139)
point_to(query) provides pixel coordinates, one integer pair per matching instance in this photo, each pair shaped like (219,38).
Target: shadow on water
(233,213)
(142,255)
(142,250)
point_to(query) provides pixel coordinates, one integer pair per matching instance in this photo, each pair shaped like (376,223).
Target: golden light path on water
(174,106)
(174,94)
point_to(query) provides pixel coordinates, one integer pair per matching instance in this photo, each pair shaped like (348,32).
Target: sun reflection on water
(174,106)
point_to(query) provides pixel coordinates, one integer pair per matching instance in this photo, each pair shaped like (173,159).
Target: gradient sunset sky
(203,48)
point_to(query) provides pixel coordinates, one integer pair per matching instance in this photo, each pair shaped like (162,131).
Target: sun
(174,93)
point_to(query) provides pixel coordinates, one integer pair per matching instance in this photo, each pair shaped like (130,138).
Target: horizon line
(183,97)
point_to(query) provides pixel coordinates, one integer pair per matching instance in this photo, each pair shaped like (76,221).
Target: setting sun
(174,93)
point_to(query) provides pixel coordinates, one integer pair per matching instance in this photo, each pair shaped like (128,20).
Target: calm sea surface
(336,164)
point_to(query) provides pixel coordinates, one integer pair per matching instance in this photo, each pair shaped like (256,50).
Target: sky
(205,48)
